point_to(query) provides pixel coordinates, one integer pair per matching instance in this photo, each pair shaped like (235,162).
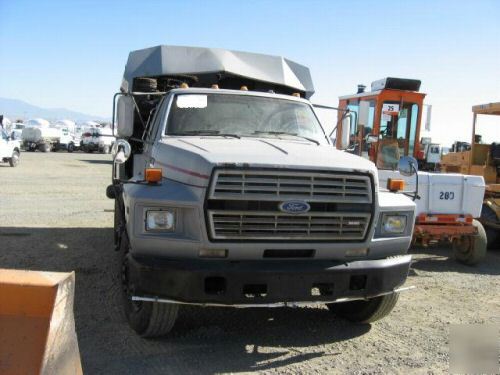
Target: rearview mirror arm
(414,195)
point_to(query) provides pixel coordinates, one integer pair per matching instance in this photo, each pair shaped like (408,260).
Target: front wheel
(71,147)
(45,147)
(148,319)
(14,160)
(365,311)
(470,250)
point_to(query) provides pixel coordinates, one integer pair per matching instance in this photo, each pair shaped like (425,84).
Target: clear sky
(72,53)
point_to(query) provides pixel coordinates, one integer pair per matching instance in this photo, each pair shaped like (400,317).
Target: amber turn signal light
(153,174)
(395,184)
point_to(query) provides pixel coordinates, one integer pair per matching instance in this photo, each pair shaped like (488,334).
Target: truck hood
(191,159)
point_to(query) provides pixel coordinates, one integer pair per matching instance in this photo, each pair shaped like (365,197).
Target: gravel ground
(54,216)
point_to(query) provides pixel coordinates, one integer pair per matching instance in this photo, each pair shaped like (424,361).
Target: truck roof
(197,90)
(210,65)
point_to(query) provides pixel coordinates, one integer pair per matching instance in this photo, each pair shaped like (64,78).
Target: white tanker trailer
(39,135)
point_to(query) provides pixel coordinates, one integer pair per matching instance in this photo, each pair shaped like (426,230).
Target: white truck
(68,140)
(10,149)
(429,155)
(228,192)
(97,139)
(17,130)
(42,138)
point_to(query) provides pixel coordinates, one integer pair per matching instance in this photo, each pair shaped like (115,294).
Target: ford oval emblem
(294,207)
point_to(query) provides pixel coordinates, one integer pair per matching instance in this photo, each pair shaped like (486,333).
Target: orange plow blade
(37,326)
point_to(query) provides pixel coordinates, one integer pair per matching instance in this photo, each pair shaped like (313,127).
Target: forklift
(384,125)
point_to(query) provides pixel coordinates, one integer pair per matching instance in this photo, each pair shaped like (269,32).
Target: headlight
(160,220)
(393,224)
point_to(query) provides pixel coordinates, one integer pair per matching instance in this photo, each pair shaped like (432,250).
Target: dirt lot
(54,216)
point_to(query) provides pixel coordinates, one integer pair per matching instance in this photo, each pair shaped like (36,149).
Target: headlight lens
(160,220)
(394,224)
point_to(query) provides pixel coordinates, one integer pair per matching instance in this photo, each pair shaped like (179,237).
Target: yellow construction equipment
(482,160)
(37,327)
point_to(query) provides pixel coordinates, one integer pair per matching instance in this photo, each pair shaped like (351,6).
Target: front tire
(14,160)
(148,319)
(365,311)
(45,147)
(471,250)
(71,147)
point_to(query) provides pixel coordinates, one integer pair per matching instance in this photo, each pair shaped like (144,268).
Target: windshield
(243,116)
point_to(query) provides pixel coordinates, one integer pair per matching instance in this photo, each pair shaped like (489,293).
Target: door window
(398,127)
(355,129)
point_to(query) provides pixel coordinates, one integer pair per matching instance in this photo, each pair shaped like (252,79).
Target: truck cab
(228,192)
(97,139)
(429,156)
(10,149)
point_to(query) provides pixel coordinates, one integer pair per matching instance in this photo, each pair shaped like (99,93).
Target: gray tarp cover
(171,60)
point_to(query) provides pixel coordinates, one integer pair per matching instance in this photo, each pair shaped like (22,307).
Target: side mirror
(121,151)
(346,132)
(125,116)
(407,166)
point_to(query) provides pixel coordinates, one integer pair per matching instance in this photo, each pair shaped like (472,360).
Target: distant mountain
(14,109)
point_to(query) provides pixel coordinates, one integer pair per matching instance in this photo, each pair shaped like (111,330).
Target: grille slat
(275,185)
(272,225)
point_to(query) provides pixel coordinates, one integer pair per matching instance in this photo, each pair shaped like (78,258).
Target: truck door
(4,145)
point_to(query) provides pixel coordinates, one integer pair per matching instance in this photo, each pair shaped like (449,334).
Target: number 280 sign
(390,109)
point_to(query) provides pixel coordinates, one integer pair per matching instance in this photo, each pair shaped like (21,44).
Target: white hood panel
(191,159)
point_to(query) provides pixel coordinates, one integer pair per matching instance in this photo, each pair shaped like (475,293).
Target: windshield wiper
(206,132)
(285,133)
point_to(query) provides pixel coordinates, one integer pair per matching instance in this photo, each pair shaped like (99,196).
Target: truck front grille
(280,226)
(285,185)
(244,205)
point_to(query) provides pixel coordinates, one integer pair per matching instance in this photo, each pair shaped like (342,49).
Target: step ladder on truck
(482,159)
(383,125)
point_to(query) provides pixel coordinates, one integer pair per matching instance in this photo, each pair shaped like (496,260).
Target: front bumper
(216,282)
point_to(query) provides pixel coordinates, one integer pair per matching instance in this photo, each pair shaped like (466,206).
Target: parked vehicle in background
(68,141)
(482,159)
(10,149)
(76,143)
(97,139)
(228,192)
(66,124)
(429,155)
(40,138)
(383,125)
(16,130)
(459,146)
